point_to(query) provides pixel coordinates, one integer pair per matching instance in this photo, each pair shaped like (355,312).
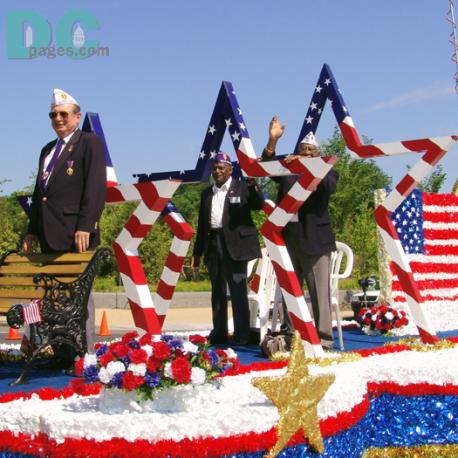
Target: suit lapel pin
(70,148)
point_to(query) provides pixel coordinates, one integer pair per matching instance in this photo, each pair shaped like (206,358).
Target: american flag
(31,312)
(427,226)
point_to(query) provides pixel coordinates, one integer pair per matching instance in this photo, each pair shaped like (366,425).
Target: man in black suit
(309,236)
(228,239)
(69,193)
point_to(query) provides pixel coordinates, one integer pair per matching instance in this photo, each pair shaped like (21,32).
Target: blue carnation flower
(214,357)
(167,337)
(152,380)
(91,374)
(102,350)
(116,380)
(175,343)
(133,344)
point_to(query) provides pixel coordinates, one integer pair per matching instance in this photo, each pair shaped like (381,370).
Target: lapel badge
(45,175)
(70,148)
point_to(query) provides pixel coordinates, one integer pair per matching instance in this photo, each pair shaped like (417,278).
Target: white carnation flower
(113,367)
(148,349)
(389,315)
(189,347)
(168,370)
(138,369)
(104,375)
(198,376)
(231,353)
(89,360)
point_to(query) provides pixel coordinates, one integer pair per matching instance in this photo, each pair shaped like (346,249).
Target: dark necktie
(52,163)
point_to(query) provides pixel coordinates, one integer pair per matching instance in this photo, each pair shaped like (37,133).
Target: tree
(352,205)
(434,181)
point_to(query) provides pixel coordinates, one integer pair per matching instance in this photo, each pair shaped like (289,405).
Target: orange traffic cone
(13,334)
(104,331)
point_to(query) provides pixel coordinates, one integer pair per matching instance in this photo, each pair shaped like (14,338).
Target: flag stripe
(427,225)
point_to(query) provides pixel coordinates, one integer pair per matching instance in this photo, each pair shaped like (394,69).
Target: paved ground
(188,312)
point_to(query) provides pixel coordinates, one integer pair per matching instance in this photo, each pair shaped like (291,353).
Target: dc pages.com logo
(30,35)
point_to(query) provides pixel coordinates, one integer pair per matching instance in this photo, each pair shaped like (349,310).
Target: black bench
(63,283)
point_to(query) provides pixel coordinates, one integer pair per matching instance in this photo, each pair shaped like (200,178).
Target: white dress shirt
(219,196)
(50,154)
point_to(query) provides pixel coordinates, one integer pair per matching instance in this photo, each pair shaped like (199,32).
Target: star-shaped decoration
(242,126)
(240,111)
(296,395)
(202,155)
(29,201)
(309,120)
(313,106)
(212,154)
(211,130)
(228,122)
(318,89)
(235,136)
(327,81)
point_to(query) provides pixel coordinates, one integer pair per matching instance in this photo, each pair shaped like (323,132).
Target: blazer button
(44,199)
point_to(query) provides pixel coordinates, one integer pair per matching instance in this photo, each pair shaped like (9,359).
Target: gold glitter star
(296,395)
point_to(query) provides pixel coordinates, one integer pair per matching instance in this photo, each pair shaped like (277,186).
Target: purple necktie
(52,163)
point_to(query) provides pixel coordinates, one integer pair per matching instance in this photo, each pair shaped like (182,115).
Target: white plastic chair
(336,262)
(261,298)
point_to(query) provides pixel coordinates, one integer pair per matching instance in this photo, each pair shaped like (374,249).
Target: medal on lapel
(69,168)
(45,175)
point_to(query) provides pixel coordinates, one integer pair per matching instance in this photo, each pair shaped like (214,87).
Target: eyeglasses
(63,114)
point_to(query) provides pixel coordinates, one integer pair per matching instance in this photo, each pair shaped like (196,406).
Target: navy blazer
(75,195)
(240,233)
(316,236)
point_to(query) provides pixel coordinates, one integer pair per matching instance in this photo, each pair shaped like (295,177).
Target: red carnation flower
(181,370)
(78,386)
(138,356)
(131,381)
(119,349)
(161,351)
(206,356)
(106,358)
(79,364)
(197,339)
(220,352)
(153,365)
(145,339)
(126,338)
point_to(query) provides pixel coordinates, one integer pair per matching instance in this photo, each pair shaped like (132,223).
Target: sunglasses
(63,114)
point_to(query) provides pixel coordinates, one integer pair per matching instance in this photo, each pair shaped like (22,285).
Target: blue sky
(156,90)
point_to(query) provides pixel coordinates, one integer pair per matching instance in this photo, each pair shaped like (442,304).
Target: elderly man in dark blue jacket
(309,236)
(228,239)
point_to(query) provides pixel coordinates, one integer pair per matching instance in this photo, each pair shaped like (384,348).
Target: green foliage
(434,181)
(13,223)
